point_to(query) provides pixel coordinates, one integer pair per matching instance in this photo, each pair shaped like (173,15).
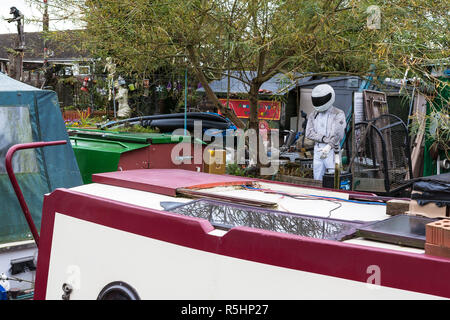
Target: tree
(211,37)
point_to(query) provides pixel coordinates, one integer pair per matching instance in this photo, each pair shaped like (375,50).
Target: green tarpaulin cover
(28,114)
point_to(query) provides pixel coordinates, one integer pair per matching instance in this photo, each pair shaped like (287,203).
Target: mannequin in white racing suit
(326,127)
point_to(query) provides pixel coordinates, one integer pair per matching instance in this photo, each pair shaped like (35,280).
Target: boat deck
(294,200)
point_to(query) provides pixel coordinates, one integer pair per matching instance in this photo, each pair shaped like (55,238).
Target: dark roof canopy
(62,46)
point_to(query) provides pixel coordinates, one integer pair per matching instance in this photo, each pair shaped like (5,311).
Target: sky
(29,12)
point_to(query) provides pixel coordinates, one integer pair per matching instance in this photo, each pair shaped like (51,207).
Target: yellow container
(215,161)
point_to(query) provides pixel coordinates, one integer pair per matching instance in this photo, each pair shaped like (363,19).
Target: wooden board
(397,206)
(420,110)
(375,105)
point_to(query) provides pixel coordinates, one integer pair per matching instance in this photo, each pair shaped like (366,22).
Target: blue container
(3,294)
(345,180)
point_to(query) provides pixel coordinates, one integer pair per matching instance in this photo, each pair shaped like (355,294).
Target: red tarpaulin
(268,110)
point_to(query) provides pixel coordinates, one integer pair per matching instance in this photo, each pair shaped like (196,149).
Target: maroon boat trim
(402,270)
(15,184)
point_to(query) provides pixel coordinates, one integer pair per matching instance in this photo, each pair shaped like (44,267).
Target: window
(15,128)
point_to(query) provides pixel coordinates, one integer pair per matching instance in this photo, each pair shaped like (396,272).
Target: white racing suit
(325,128)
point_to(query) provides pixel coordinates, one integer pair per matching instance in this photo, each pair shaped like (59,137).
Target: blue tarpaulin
(28,114)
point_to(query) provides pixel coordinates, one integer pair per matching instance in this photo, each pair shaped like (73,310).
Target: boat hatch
(401,229)
(223,215)
(167,181)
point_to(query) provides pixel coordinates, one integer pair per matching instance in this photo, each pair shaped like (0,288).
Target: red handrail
(15,184)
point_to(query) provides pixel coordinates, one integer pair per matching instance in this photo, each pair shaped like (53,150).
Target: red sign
(268,110)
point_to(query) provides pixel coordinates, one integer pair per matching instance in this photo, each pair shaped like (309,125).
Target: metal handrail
(15,184)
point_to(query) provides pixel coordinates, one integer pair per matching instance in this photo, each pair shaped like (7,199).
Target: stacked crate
(438,238)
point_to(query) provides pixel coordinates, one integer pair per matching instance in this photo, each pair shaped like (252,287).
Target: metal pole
(15,184)
(114,96)
(185,101)
(411,106)
(45,29)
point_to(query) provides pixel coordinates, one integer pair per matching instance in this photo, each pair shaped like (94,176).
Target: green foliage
(66,108)
(68,81)
(439,129)
(240,170)
(135,129)
(435,125)
(211,37)
(235,170)
(84,118)
(286,35)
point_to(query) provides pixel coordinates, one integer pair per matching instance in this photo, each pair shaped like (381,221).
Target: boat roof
(241,198)
(9,84)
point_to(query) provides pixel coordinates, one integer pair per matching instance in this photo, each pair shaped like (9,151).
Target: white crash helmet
(323,97)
